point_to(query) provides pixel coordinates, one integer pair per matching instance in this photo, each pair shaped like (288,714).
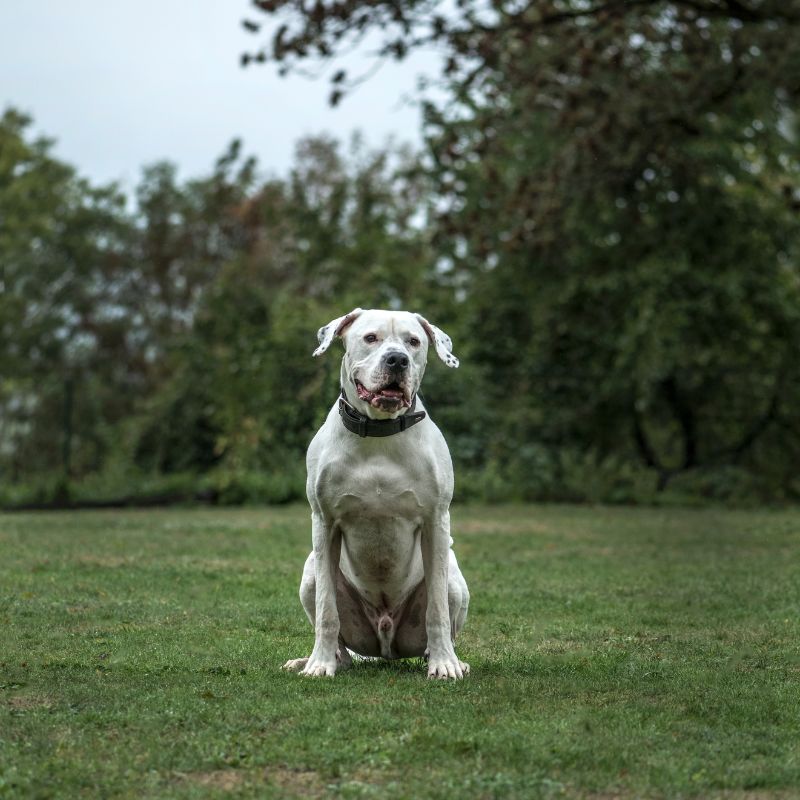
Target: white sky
(120,84)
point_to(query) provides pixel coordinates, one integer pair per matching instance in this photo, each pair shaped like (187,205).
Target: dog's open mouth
(389,397)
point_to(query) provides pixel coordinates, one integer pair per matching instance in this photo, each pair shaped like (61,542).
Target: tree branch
(643,445)
(758,427)
(729,9)
(686,420)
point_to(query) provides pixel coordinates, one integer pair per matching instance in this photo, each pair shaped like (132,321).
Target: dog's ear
(334,328)
(440,340)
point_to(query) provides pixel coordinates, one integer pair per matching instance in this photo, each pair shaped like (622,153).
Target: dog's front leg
(435,542)
(327,544)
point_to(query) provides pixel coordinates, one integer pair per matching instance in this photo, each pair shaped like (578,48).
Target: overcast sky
(122,83)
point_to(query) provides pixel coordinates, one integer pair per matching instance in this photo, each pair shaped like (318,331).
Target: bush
(565,476)
(285,486)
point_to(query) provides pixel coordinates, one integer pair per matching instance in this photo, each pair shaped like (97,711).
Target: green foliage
(62,342)
(604,218)
(642,209)
(214,289)
(243,388)
(614,652)
(617,191)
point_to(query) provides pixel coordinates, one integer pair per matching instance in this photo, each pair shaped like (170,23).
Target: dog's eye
(413,341)
(370,338)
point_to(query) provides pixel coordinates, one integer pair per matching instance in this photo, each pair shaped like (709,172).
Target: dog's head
(385,356)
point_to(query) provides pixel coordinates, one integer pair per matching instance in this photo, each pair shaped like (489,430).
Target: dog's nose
(396,360)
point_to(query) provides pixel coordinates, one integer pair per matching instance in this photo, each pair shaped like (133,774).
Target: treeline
(604,218)
(164,350)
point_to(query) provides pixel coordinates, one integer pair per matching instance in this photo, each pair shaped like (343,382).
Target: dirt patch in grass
(225,779)
(28,702)
(214,564)
(496,526)
(304,782)
(607,795)
(753,794)
(106,561)
(295,782)
(729,794)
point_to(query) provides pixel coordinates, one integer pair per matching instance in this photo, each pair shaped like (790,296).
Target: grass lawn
(615,653)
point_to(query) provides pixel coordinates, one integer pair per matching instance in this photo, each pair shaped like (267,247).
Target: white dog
(381,579)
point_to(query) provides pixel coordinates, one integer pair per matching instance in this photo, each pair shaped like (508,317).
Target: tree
(618,184)
(480,40)
(62,338)
(643,176)
(243,392)
(176,338)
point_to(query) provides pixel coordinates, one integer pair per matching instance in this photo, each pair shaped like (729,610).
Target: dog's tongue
(391,392)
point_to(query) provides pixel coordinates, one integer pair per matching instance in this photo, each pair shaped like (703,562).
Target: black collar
(359,423)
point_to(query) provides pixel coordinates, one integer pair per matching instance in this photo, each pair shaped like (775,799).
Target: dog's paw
(295,664)
(320,667)
(447,666)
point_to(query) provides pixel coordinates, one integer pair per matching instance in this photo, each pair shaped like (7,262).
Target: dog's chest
(377,507)
(371,488)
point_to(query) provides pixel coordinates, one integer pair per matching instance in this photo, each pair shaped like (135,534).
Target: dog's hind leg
(457,596)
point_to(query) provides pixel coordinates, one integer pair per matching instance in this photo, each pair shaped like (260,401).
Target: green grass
(615,653)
